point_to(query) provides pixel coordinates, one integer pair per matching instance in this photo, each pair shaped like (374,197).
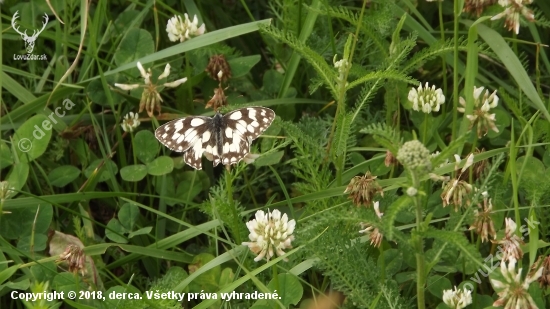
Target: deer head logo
(29,40)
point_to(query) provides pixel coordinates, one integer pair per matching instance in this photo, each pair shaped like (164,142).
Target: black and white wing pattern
(224,139)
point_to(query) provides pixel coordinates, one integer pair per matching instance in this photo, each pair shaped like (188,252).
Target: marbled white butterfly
(222,138)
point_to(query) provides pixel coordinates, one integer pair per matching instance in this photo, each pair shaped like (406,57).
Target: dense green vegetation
(406,166)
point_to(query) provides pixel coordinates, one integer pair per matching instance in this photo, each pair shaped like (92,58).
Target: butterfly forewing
(224,139)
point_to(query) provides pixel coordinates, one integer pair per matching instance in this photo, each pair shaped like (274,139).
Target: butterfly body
(222,138)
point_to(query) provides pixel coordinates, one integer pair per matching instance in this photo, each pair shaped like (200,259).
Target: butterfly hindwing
(241,127)
(192,135)
(224,139)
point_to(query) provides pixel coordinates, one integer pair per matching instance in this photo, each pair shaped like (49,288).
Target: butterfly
(222,138)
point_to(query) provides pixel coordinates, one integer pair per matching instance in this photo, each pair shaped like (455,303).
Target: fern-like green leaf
(457,240)
(326,72)
(385,136)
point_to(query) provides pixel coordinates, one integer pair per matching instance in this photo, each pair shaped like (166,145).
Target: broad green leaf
(18,285)
(436,285)
(63,175)
(534,170)
(288,287)
(24,221)
(115,230)
(123,21)
(206,39)
(393,261)
(34,243)
(533,235)
(241,66)
(96,92)
(104,173)
(5,155)
(272,82)
(17,178)
(32,138)
(160,166)
(128,215)
(67,282)
(133,172)
(7,273)
(136,44)
(184,190)
(142,231)
(207,280)
(226,277)
(146,146)
(269,159)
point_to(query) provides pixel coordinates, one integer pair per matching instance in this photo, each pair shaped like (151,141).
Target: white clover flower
(150,98)
(483,223)
(270,234)
(426,99)
(510,245)
(374,233)
(457,299)
(458,190)
(513,291)
(512,11)
(130,122)
(6,191)
(481,116)
(181,30)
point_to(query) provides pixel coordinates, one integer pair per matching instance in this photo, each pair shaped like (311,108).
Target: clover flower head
(6,191)
(150,98)
(544,263)
(270,234)
(512,289)
(477,5)
(415,156)
(483,223)
(218,68)
(130,122)
(179,29)
(390,159)
(457,191)
(426,99)
(457,299)
(482,106)
(75,258)
(510,245)
(374,233)
(362,189)
(512,11)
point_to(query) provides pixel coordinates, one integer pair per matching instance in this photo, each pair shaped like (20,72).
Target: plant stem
(443,62)
(425,129)
(229,188)
(455,69)
(420,262)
